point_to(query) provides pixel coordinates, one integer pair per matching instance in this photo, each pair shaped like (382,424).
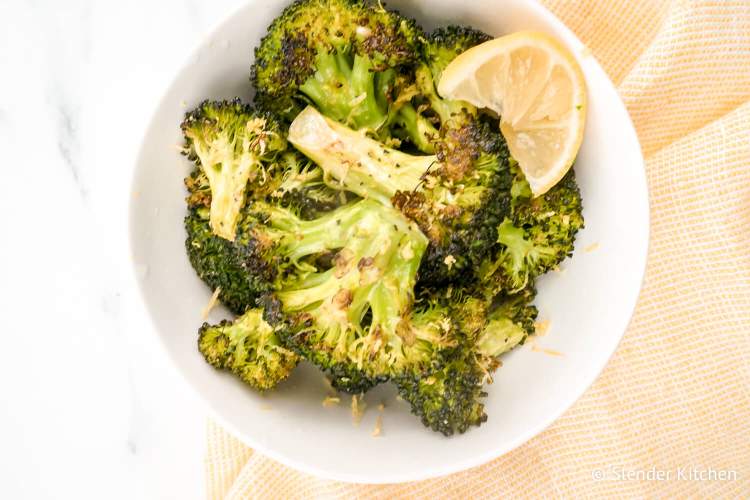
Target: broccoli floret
(249,348)
(357,319)
(356,162)
(300,187)
(344,283)
(234,146)
(449,399)
(460,202)
(508,324)
(457,197)
(340,55)
(235,267)
(442,46)
(537,236)
(446,43)
(350,59)
(427,111)
(223,264)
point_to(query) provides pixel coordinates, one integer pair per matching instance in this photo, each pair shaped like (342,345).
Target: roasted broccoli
(449,398)
(230,266)
(344,282)
(357,219)
(249,348)
(441,47)
(234,146)
(237,173)
(343,56)
(426,114)
(224,264)
(457,197)
(356,318)
(536,236)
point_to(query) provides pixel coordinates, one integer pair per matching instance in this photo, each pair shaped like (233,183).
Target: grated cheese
(543,350)
(211,303)
(407,252)
(363,31)
(358,408)
(378,426)
(357,100)
(541,327)
(331,401)
(591,248)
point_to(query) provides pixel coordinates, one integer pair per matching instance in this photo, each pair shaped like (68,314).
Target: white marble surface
(89,407)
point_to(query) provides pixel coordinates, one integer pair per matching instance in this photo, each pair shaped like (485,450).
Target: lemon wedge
(537,88)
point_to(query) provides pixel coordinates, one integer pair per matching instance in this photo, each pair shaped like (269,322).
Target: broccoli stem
(298,238)
(500,335)
(359,164)
(384,83)
(521,258)
(359,312)
(345,90)
(377,263)
(418,129)
(249,348)
(447,110)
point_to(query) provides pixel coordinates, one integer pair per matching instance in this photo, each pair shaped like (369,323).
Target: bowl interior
(588,304)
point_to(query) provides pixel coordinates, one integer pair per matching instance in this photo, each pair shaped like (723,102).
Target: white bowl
(589,304)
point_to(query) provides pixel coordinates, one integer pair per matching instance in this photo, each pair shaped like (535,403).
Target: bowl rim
(454,467)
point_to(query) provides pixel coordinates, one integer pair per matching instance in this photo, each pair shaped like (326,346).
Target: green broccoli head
(341,55)
(236,148)
(300,187)
(246,268)
(344,281)
(460,202)
(537,236)
(427,111)
(230,266)
(508,324)
(446,43)
(448,398)
(353,313)
(249,348)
